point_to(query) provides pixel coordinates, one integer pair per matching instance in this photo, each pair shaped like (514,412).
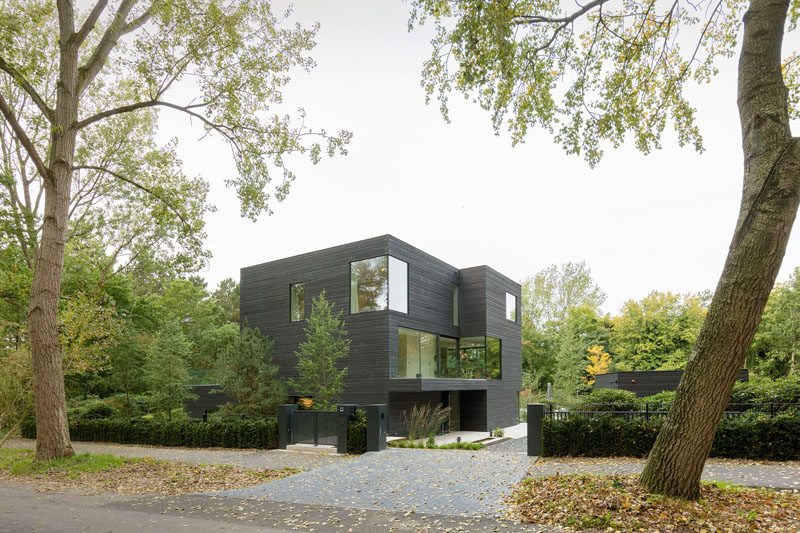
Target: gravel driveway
(442,482)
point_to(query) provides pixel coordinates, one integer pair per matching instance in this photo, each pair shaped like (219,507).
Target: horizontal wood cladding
(401,402)
(208,400)
(438,384)
(473,411)
(373,352)
(647,382)
(265,305)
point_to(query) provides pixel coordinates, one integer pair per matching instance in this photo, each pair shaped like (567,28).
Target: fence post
(646,411)
(535,422)
(346,412)
(285,412)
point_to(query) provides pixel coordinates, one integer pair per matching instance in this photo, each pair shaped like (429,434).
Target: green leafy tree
(80,94)
(326,343)
(128,365)
(166,369)
(658,332)
(247,375)
(776,346)
(551,293)
(583,329)
(547,300)
(607,71)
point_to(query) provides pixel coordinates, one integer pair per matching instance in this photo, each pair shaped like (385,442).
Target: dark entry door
(455,410)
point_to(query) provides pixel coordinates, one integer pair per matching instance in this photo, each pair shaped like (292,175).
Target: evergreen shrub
(248,433)
(752,437)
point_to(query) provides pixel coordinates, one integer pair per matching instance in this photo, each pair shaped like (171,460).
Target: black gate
(315,427)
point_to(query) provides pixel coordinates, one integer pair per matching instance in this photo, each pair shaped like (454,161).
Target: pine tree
(248,377)
(326,343)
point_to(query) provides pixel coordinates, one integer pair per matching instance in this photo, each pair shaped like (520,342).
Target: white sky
(457,191)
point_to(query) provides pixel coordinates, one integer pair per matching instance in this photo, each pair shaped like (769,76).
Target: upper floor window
(511,307)
(377,284)
(297,302)
(454,294)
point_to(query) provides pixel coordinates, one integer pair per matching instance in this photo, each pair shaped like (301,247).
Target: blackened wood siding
(209,399)
(647,382)
(372,364)
(265,305)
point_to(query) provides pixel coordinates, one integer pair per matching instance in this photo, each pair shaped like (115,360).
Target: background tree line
(133,340)
(563,326)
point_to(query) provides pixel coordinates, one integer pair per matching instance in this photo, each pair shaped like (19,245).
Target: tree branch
(8,114)
(538,19)
(20,79)
(89,23)
(138,186)
(101,52)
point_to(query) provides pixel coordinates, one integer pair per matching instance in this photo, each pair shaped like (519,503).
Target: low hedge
(760,437)
(249,433)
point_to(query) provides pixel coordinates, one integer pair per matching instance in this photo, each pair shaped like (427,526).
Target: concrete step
(322,448)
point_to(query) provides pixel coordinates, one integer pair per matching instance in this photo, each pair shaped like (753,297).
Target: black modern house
(421,330)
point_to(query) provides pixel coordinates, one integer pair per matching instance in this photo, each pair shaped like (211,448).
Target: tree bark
(52,431)
(770,200)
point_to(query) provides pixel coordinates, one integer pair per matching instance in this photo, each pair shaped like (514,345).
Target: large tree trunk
(52,432)
(769,204)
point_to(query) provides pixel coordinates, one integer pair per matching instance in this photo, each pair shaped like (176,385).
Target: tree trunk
(769,204)
(52,432)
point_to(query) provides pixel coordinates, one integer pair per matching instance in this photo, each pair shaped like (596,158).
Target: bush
(249,433)
(608,400)
(754,437)
(91,409)
(780,391)
(659,402)
(357,433)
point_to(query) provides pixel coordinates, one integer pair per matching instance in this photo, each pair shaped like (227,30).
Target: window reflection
(511,307)
(368,285)
(297,302)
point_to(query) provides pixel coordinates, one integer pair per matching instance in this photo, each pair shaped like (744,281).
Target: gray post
(346,412)
(376,427)
(285,424)
(535,420)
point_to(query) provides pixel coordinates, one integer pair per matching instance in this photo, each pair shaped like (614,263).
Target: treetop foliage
(593,74)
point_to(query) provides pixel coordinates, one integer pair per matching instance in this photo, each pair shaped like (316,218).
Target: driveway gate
(315,427)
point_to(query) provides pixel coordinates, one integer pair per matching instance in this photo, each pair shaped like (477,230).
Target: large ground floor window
(426,355)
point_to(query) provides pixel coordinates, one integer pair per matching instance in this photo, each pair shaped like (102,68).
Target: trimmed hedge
(255,433)
(357,433)
(760,437)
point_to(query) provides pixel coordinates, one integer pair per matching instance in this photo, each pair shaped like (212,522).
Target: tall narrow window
(398,285)
(511,307)
(454,291)
(297,302)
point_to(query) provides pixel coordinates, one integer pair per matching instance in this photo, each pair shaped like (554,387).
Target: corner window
(377,284)
(297,302)
(511,307)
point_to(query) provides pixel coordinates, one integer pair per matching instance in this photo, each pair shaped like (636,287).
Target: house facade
(421,330)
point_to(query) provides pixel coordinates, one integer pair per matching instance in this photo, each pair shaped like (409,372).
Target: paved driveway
(442,482)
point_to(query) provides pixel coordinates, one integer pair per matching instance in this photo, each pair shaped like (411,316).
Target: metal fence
(315,427)
(648,411)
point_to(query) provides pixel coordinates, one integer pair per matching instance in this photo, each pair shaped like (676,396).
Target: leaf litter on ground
(620,503)
(100,473)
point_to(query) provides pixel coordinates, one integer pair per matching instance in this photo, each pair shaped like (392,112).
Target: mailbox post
(346,412)
(535,421)
(285,412)
(376,427)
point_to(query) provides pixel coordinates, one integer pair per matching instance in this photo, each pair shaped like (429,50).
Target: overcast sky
(461,193)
